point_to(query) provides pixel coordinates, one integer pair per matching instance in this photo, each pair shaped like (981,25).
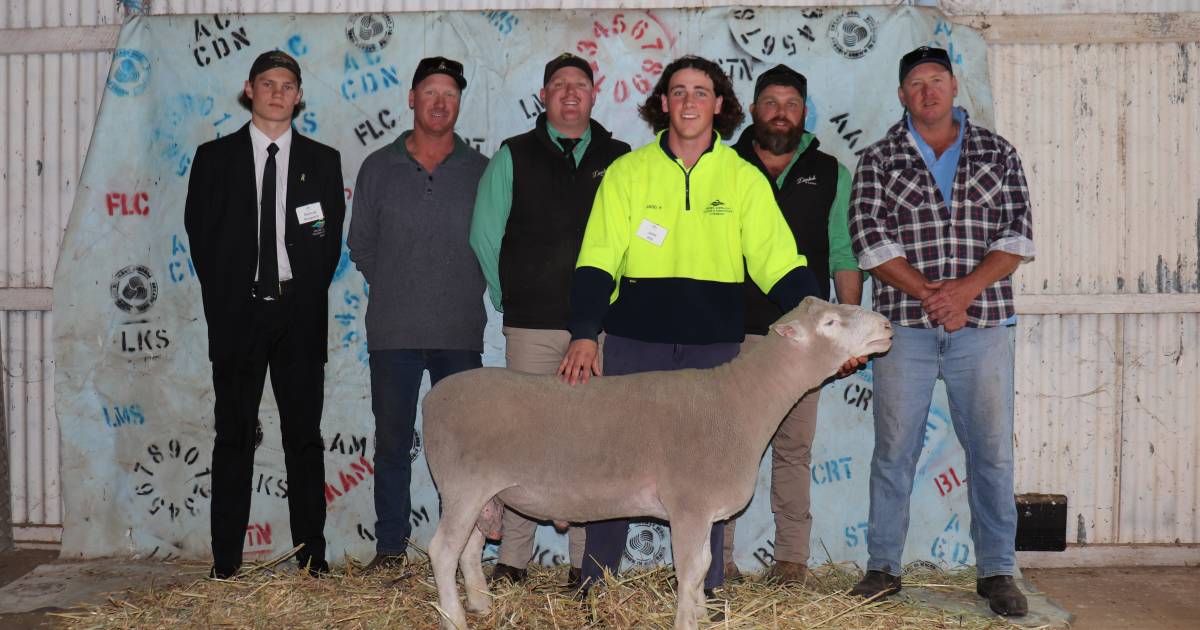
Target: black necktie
(568,147)
(268,265)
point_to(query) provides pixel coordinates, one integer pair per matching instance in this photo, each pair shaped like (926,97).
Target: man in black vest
(530,211)
(264,216)
(813,192)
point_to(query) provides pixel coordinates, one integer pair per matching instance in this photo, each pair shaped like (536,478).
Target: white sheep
(623,446)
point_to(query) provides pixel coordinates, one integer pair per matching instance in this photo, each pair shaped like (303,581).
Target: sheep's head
(839,329)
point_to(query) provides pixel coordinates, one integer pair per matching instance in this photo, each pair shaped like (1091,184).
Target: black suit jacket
(221,218)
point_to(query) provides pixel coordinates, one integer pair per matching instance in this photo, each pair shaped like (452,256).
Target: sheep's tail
(489,518)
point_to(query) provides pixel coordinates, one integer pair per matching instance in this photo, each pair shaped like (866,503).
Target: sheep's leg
(689,546)
(705,562)
(478,598)
(456,526)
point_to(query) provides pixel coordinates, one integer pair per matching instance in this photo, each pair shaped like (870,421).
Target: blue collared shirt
(944,167)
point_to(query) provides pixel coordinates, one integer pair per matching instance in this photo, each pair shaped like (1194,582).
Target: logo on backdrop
(130,74)
(172,480)
(646,545)
(852,34)
(133,289)
(416,447)
(369,31)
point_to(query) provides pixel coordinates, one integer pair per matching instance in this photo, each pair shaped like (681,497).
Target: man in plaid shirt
(940,216)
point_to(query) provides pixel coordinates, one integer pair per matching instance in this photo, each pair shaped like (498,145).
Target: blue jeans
(395,383)
(977,366)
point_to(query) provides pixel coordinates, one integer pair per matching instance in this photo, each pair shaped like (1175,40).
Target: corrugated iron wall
(1108,374)
(48,104)
(1108,394)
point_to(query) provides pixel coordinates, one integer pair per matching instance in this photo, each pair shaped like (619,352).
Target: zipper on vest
(687,185)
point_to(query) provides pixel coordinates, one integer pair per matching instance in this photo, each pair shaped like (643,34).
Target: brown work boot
(389,563)
(1004,598)
(574,580)
(733,575)
(506,572)
(784,572)
(876,584)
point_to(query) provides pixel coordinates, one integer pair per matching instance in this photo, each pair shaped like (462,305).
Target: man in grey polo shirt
(408,236)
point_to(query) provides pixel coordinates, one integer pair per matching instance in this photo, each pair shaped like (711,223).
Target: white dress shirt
(260,142)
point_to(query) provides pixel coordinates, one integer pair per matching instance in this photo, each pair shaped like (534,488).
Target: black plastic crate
(1041,522)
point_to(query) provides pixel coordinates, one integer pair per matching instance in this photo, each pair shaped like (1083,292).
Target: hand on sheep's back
(581,361)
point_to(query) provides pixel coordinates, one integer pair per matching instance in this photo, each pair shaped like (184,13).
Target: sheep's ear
(791,329)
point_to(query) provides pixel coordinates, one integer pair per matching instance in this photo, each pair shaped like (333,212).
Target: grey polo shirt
(408,237)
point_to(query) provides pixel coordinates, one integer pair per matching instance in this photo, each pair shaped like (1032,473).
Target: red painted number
(639,28)
(618,23)
(641,84)
(621,91)
(587,47)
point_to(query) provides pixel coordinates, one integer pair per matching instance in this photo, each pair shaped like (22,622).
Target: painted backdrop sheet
(134,385)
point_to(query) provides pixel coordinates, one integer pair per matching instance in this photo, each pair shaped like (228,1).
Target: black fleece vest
(805,199)
(552,199)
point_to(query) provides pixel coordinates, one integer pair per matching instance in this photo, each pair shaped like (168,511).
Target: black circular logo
(646,545)
(133,289)
(852,34)
(369,31)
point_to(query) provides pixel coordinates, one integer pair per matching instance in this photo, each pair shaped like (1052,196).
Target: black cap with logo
(439,65)
(563,61)
(924,54)
(274,59)
(781,75)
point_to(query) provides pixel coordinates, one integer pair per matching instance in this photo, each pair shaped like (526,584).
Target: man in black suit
(264,216)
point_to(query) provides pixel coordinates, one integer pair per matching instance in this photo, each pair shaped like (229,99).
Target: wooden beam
(1085,28)
(21,299)
(1106,555)
(65,39)
(1082,28)
(1124,303)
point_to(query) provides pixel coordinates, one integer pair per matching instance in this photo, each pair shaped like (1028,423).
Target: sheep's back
(498,408)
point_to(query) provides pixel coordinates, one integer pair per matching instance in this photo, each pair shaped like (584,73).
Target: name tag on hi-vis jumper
(309,213)
(652,232)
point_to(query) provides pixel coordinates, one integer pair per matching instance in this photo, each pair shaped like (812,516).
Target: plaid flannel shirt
(896,210)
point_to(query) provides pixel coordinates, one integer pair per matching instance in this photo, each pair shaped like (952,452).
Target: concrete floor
(13,566)
(1120,598)
(1146,598)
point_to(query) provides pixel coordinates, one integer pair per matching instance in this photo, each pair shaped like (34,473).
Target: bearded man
(812,190)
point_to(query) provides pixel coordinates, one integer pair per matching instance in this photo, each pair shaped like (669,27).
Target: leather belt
(285,287)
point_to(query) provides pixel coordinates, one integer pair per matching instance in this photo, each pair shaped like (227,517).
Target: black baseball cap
(439,65)
(924,54)
(781,75)
(566,60)
(274,59)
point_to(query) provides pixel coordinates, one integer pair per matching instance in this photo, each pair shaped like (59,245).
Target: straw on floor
(275,596)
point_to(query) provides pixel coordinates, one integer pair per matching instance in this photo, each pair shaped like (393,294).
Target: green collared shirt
(493,204)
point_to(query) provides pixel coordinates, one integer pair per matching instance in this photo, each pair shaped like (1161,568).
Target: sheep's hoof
(479,603)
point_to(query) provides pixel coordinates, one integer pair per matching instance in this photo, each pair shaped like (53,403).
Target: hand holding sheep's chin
(581,361)
(851,366)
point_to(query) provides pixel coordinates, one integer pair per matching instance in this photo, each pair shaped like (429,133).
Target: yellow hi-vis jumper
(666,245)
